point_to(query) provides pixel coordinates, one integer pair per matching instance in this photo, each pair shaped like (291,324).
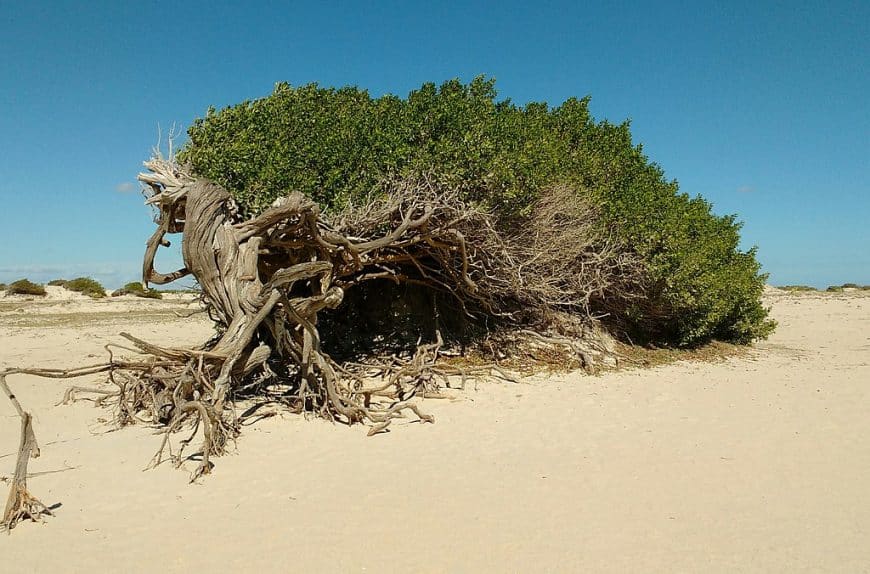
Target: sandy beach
(757,463)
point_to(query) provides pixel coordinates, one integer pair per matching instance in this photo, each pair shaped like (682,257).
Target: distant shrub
(834,289)
(2,286)
(57,282)
(135,288)
(25,287)
(194,291)
(856,286)
(798,288)
(150,294)
(86,286)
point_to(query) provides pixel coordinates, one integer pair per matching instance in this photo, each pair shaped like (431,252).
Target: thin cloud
(745,189)
(125,187)
(24,269)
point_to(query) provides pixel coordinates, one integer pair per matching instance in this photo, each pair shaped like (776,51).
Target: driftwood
(21,504)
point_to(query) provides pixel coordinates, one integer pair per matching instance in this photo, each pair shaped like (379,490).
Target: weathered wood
(20,504)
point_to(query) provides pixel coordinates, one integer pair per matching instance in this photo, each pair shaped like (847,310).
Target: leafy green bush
(56,283)
(135,288)
(25,287)
(86,286)
(834,289)
(339,145)
(798,288)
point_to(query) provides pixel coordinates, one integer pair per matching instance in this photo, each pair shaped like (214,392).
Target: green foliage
(25,287)
(834,289)
(338,146)
(2,286)
(136,288)
(133,287)
(57,283)
(798,288)
(86,286)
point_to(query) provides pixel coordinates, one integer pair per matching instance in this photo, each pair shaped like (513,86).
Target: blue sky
(760,107)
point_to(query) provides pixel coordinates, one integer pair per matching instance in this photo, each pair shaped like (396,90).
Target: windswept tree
(343,241)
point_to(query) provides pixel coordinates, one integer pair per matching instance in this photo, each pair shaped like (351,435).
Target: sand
(759,463)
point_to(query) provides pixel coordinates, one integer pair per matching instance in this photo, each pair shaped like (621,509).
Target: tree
(316,218)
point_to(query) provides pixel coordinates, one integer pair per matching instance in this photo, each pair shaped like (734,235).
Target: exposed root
(215,436)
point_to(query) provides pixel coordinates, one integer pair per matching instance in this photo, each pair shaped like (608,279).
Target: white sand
(755,464)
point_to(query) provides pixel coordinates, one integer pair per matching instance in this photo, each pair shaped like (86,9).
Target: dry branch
(20,504)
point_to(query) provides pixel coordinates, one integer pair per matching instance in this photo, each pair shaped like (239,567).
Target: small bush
(834,289)
(57,283)
(25,287)
(135,288)
(2,286)
(86,286)
(798,288)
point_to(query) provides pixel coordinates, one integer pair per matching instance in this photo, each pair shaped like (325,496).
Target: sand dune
(754,464)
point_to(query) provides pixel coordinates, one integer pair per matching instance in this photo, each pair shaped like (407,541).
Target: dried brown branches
(569,260)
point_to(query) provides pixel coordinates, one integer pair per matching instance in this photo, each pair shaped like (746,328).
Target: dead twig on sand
(21,504)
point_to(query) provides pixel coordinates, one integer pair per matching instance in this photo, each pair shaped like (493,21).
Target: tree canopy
(339,146)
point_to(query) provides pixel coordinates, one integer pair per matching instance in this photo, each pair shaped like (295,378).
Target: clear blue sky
(761,107)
